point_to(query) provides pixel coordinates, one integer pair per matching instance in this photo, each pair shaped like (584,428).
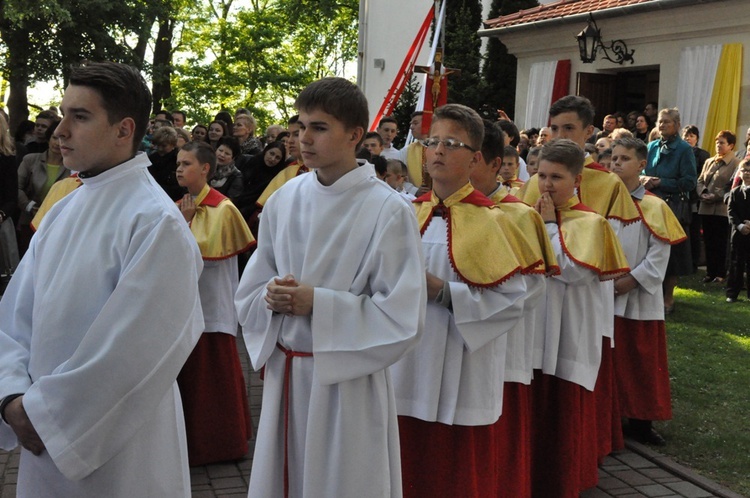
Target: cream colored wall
(389,32)
(657,38)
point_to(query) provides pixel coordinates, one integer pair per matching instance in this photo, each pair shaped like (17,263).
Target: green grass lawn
(709,362)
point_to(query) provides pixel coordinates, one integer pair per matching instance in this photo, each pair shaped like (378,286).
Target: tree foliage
(204,55)
(262,55)
(213,54)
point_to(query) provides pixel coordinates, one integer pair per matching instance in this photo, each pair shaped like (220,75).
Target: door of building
(621,91)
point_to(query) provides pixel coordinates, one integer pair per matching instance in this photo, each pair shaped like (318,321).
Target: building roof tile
(558,9)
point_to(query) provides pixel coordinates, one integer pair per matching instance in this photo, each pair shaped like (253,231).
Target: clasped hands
(546,208)
(286,295)
(19,421)
(650,182)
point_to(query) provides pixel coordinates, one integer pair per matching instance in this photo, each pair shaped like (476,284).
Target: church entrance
(624,90)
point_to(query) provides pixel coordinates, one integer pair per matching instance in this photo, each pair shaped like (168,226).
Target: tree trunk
(139,52)
(162,86)
(17,42)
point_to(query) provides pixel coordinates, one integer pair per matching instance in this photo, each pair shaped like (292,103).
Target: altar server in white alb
(640,335)
(449,390)
(101,313)
(333,295)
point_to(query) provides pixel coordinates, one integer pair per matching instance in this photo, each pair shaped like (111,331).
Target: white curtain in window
(538,100)
(696,82)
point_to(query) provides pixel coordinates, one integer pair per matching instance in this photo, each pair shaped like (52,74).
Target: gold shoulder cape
(660,220)
(415,162)
(286,174)
(482,254)
(531,225)
(57,192)
(218,226)
(588,240)
(601,190)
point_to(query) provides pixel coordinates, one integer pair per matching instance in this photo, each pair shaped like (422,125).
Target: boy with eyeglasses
(449,389)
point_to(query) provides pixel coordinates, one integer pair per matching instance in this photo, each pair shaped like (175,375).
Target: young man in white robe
(334,294)
(101,313)
(588,253)
(449,389)
(641,367)
(572,117)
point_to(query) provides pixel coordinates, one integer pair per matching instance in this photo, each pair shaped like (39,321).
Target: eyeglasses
(448,143)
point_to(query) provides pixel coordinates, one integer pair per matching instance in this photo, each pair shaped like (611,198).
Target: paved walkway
(636,472)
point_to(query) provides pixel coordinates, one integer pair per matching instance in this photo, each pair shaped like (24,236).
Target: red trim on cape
(213,198)
(426,197)
(512,198)
(597,167)
(475,197)
(453,263)
(478,199)
(609,274)
(648,227)
(582,207)
(235,253)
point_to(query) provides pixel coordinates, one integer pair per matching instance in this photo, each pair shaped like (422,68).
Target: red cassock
(217,414)
(641,369)
(564,447)
(513,433)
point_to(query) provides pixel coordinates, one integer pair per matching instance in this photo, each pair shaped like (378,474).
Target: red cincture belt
(287,372)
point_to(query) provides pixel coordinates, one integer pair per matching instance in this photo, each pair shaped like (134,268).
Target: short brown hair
(641,151)
(338,97)
(727,135)
(204,153)
(565,152)
(465,117)
(123,91)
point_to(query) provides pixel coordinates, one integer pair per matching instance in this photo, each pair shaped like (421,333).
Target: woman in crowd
(630,120)
(227,179)
(36,174)
(244,131)
(183,137)
(642,127)
(258,173)
(714,183)
(691,135)
(227,118)
(8,203)
(199,133)
(671,174)
(216,130)
(164,161)
(603,144)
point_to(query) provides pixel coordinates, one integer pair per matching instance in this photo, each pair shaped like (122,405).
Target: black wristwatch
(5,402)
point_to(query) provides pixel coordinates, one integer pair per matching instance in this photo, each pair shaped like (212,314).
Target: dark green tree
(499,70)
(462,51)
(42,39)
(406,104)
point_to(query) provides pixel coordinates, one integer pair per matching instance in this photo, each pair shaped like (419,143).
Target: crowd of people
(480,313)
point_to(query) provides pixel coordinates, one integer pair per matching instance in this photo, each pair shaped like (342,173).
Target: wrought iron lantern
(590,40)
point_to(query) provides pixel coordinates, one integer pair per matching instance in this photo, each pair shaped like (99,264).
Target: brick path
(637,472)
